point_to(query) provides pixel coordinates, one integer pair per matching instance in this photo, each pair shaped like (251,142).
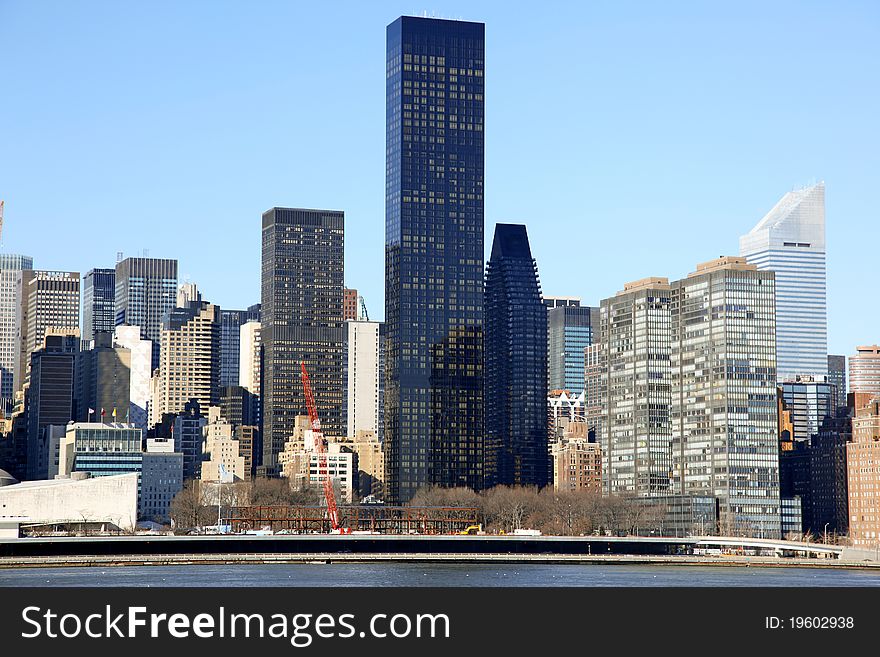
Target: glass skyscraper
(434,254)
(146,289)
(302,283)
(790,240)
(11,267)
(572,328)
(99,302)
(516,450)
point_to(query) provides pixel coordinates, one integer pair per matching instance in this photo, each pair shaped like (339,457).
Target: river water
(410,574)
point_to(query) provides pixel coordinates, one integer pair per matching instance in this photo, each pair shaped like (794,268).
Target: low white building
(112,500)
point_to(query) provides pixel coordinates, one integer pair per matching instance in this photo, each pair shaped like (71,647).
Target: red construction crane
(321,447)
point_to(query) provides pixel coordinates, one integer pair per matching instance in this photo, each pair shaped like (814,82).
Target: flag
(103,412)
(114,412)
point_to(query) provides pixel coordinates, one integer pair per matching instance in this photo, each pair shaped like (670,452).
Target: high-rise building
(689,399)
(141,356)
(103,381)
(837,377)
(349,304)
(636,338)
(724,413)
(250,356)
(99,302)
(516,448)
(101,449)
(790,240)
(571,329)
(864,370)
(11,267)
(863,479)
(161,479)
(50,396)
(187,430)
(434,254)
(364,377)
(577,465)
(302,282)
(561,302)
(231,322)
(146,289)
(50,300)
(809,401)
(190,357)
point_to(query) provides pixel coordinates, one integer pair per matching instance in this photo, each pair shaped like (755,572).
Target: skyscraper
(302,281)
(349,304)
(516,449)
(50,299)
(837,377)
(364,376)
(11,267)
(230,330)
(790,240)
(689,392)
(571,329)
(434,254)
(146,289)
(810,402)
(99,302)
(189,366)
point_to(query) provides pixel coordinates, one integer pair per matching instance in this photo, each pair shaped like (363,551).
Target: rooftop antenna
(119,257)
(146,253)
(1,220)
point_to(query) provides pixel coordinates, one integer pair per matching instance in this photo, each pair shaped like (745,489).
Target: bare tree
(187,510)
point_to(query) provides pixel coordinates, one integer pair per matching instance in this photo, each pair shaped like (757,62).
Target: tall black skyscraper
(516,364)
(302,281)
(434,255)
(99,302)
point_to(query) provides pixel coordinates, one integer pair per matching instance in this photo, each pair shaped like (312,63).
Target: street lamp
(826,533)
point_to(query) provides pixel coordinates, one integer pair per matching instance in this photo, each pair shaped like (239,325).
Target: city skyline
(746,199)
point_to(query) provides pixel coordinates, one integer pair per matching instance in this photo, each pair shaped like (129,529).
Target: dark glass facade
(516,450)
(572,329)
(99,302)
(434,255)
(302,283)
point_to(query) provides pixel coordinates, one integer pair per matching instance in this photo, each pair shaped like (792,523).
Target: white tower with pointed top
(790,240)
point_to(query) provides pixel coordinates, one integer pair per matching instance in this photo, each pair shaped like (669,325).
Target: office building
(864,370)
(515,365)
(863,476)
(434,254)
(103,381)
(11,267)
(301,463)
(49,396)
(50,300)
(636,337)
(140,353)
(690,392)
(837,377)
(302,282)
(809,401)
(724,413)
(99,302)
(790,240)
(364,377)
(187,430)
(250,356)
(161,479)
(231,322)
(190,357)
(828,476)
(146,289)
(222,451)
(571,329)
(101,449)
(561,302)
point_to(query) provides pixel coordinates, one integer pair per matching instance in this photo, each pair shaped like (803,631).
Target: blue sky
(634,139)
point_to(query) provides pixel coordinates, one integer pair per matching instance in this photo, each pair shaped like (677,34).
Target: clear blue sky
(634,139)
